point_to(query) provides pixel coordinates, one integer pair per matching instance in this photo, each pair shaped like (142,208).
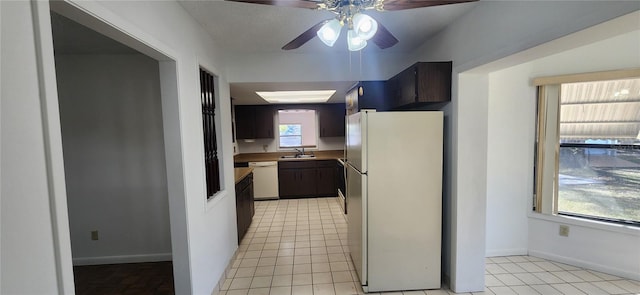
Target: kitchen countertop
(264,157)
(241,172)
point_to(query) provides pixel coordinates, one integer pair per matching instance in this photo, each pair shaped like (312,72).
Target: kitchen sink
(298,157)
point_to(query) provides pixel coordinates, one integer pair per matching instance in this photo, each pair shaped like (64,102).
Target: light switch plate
(94,235)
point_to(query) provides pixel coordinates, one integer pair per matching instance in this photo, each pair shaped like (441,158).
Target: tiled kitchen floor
(299,247)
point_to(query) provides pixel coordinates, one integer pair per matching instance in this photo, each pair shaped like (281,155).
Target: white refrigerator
(394,196)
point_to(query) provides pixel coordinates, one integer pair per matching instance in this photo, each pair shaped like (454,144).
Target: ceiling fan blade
(410,4)
(304,37)
(285,3)
(383,38)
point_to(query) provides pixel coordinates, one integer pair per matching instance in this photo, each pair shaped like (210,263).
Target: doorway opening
(112,101)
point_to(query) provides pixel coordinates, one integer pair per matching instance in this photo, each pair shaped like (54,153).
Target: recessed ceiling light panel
(307,96)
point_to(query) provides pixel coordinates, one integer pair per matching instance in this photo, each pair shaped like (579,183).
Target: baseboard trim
(588,265)
(122,259)
(506,252)
(217,289)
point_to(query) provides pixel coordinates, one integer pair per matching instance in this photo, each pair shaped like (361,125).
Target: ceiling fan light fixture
(365,26)
(330,32)
(354,42)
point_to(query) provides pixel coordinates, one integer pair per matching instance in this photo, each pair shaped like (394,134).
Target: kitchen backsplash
(270,145)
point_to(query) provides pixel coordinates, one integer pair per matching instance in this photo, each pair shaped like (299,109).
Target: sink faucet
(300,152)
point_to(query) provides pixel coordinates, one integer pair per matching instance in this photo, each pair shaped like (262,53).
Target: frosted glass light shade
(330,32)
(365,26)
(354,42)
(306,96)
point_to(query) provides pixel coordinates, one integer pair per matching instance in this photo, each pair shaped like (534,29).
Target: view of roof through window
(601,112)
(599,156)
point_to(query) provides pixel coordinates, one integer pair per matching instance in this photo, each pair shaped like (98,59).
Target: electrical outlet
(564,231)
(94,235)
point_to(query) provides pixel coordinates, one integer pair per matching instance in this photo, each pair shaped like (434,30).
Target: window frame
(547,154)
(280,136)
(315,129)
(213,177)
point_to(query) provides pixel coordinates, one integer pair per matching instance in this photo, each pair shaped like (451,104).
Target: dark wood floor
(130,278)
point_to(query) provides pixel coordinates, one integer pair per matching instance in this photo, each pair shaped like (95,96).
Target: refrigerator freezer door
(356,221)
(356,140)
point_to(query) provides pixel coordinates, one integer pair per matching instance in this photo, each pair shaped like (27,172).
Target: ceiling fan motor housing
(337,5)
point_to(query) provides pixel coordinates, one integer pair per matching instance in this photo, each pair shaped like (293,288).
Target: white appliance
(394,193)
(342,186)
(265,180)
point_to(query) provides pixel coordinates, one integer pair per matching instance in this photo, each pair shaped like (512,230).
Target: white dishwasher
(265,180)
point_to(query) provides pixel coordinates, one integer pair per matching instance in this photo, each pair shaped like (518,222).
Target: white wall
(492,30)
(205,231)
(511,125)
(608,248)
(26,232)
(512,107)
(469,183)
(511,227)
(28,192)
(313,67)
(210,226)
(114,157)
(602,247)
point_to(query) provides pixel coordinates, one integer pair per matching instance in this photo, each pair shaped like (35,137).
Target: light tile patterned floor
(299,247)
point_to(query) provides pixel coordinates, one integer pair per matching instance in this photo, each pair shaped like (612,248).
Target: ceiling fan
(349,13)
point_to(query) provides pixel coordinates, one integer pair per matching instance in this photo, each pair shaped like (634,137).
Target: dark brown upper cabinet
(254,121)
(423,82)
(331,120)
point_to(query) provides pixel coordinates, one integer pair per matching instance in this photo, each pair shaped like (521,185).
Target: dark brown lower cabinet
(287,182)
(307,178)
(244,205)
(326,181)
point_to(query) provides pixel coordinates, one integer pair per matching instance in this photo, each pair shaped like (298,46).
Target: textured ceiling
(244,27)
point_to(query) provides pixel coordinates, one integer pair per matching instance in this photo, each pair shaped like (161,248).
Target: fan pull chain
(360,55)
(359,64)
(350,67)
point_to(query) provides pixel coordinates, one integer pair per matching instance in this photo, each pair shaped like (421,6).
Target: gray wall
(114,157)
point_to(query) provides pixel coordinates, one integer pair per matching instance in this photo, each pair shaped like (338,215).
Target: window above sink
(297,128)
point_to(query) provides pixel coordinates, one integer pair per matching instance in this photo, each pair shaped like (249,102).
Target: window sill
(599,225)
(213,201)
